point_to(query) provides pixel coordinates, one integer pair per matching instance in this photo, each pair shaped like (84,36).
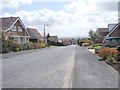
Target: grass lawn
(94,47)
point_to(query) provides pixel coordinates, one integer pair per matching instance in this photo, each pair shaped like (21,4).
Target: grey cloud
(107,6)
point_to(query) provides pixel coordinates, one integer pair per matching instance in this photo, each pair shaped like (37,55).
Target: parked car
(111,42)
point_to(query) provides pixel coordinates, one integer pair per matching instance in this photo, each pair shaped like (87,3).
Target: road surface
(58,67)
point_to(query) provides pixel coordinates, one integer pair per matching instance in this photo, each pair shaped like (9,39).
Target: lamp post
(44,31)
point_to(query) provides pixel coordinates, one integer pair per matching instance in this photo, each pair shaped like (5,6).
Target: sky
(65,18)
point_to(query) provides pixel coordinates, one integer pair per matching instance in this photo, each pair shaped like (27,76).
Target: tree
(48,37)
(93,35)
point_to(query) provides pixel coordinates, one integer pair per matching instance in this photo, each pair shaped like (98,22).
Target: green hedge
(12,46)
(26,46)
(55,43)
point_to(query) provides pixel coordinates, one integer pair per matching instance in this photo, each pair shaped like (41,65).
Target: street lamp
(44,31)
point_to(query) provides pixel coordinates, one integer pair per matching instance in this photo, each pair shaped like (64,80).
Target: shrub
(26,46)
(55,43)
(42,45)
(118,57)
(5,48)
(111,59)
(36,45)
(105,52)
(8,46)
(118,48)
(14,46)
(95,45)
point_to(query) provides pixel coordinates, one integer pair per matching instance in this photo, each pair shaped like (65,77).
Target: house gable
(115,32)
(13,25)
(14,29)
(18,29)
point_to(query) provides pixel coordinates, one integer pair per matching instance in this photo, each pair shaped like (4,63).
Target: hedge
(12,46)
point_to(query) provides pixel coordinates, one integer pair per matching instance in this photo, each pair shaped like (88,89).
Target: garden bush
(111,59)
(118,55)
(8,46)
(5,48)
(95,45)
(42,45)
(14,46)
(118,48)
(105,52)
(55,43)
(36,45)
(26,46)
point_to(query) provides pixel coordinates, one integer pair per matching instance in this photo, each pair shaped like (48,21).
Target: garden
(13,46)
(111,56)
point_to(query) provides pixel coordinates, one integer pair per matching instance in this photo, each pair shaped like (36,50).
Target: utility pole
(44,32)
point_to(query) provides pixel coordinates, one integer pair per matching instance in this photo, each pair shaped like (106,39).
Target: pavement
(89,72)
(92,50)
(57,67)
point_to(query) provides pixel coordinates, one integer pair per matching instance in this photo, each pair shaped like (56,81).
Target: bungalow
(14,29)
(35,36)
(103,32)
(53,38)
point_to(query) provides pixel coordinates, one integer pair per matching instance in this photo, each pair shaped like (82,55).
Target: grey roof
(34,34)
(7,22)
(103,29)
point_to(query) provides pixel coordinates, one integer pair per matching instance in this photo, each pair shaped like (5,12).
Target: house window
(22,39)
(13,28)
(19,29)
(16,39)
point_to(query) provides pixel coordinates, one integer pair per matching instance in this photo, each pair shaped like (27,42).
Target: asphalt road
(58,67)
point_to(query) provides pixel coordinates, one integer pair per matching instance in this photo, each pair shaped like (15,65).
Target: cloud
(76,18)
(107,6)
(13,3)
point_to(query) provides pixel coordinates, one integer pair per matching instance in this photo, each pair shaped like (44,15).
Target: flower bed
(111,57)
